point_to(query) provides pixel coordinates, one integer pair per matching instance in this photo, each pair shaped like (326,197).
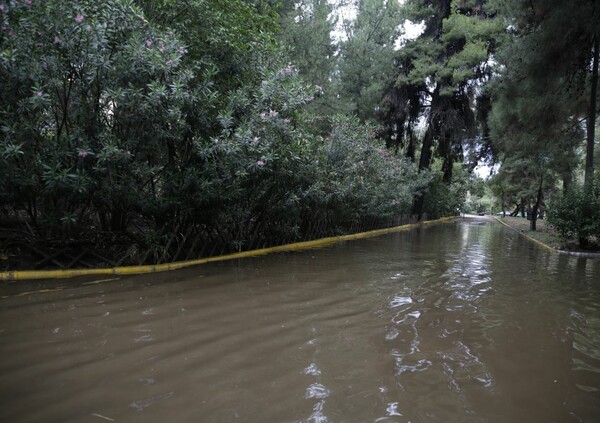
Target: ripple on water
(312,370)
(585,335)
(392,409)
(317,390)
(463,367)
(140,405)
(436,325)
(398,301)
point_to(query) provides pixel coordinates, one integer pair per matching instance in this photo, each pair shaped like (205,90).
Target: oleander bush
(112,123)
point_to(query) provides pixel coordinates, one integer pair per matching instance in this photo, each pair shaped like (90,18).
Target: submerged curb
(539,243)
(19,275)
(549,248)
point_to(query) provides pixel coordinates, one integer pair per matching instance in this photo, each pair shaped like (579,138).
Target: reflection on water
(462,322)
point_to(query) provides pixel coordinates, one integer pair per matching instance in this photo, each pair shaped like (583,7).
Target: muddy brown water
(460,322)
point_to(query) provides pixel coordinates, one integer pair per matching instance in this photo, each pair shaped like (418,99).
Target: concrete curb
(549,248)
(19,275)
(539,243)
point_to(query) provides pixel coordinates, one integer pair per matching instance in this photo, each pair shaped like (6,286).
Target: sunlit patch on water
(392,409)
(316,390)
(420,366)
(398,301)
(317,416)
(312,370)
(407,318)
(392,334)
(320,392)
(462,366)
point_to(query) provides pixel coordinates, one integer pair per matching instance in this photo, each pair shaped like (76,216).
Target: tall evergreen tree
(438,78)
(366,59)
(549,74)
(306,31)
(547,85)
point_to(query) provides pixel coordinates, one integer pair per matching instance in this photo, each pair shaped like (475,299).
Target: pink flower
(181,50)
(260,163)
(288,70)
(255,140)
(82,153)
(273,113)
(286,121)
(39,93)
(27,2)
(148,43)
(1,7)
(56,39)
(263,115)
(78,18)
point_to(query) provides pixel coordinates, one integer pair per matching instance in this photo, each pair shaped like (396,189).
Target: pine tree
(438,78)
(366,59)
(547,86)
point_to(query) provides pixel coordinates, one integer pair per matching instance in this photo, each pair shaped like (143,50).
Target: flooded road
(460,322)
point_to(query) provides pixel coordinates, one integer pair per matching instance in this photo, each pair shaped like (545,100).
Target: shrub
(443,199)
(575,214)
(93,108)
(359,178)
(110,124)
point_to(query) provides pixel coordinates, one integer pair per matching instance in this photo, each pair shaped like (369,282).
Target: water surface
(461,322)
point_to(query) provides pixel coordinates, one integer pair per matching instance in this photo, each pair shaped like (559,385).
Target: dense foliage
(576,214)
(544,99)
(122,120)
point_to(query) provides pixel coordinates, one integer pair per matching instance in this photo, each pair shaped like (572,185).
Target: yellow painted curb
(138,270)
(539,243)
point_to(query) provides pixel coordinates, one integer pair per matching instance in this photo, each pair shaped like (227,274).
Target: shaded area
(102,250)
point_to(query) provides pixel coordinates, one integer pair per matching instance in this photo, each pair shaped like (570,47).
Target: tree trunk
(445,147)
(567,181)
(424,162)
(426,150)
(410,149)
(536,207)
(591,120)
(425,159)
